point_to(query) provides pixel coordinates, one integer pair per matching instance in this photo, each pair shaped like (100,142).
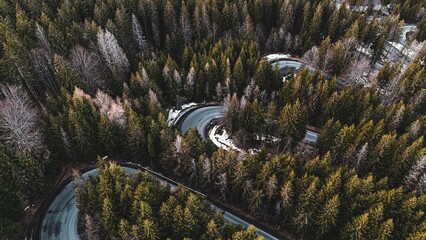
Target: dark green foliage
(371,139)
(139,205)
(16,190)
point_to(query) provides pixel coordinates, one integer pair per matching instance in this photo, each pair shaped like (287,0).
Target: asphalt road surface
(404,30)
(311,136)
(287,66)
(60,220)
(200,119)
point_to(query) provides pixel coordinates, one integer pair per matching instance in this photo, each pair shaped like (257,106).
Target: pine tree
(337,59)
(324,54)
(135,138)
(212,232)
(108,136)
(82,120)
(230,113)
(344,140)
(316,27)
(357,229)
(292,123)
(109,218)
(240,79)
(328,216)
(150,231)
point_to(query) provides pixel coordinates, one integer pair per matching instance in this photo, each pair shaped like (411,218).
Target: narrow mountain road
(60,220)
(200,119)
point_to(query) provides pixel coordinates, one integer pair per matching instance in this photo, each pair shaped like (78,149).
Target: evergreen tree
(292,123)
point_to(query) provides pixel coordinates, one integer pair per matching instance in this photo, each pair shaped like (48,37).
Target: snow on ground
(174,113)
(277,56)
(222,140)
(267,138)
(396,45)
(364,50)
(406,29)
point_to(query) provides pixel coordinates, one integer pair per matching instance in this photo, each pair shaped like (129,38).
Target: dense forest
(87,78)
(148,209)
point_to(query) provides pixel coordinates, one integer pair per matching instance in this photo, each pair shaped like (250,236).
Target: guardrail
(160,176)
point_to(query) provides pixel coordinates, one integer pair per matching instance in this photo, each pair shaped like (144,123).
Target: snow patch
(222,139)
(364,50)
(267,138)
(175,113)
(277,56)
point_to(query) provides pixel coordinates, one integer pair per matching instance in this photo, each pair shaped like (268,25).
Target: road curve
(404,31)
(200,118)
(60,220)
(288,65)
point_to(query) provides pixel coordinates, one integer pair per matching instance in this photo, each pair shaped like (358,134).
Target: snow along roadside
(222,140)
(174,114)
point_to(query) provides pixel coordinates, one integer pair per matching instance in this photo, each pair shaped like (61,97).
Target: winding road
(287,65)
(201,118)
(404,31)
(60,220)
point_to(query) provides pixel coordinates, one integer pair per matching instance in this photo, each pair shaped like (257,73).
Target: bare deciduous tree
(219,92)
(271,187)
(247,30)
(152,97)
(177,78)
(43,65)
(414,129)
(178,144)
(349,44)
(205,19)
(42,39)
(66,143)
(416,175)
(421,185)
(112,52)
(190,79)
(356,70)
(185,26)
(248,91)
(207,169)
(222,183)
(213,30)
(87,66)
(113,109)
(19,121)
(311,56)
(92,228)
(193,169)
(288,41)
(361,157)
(138,35)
